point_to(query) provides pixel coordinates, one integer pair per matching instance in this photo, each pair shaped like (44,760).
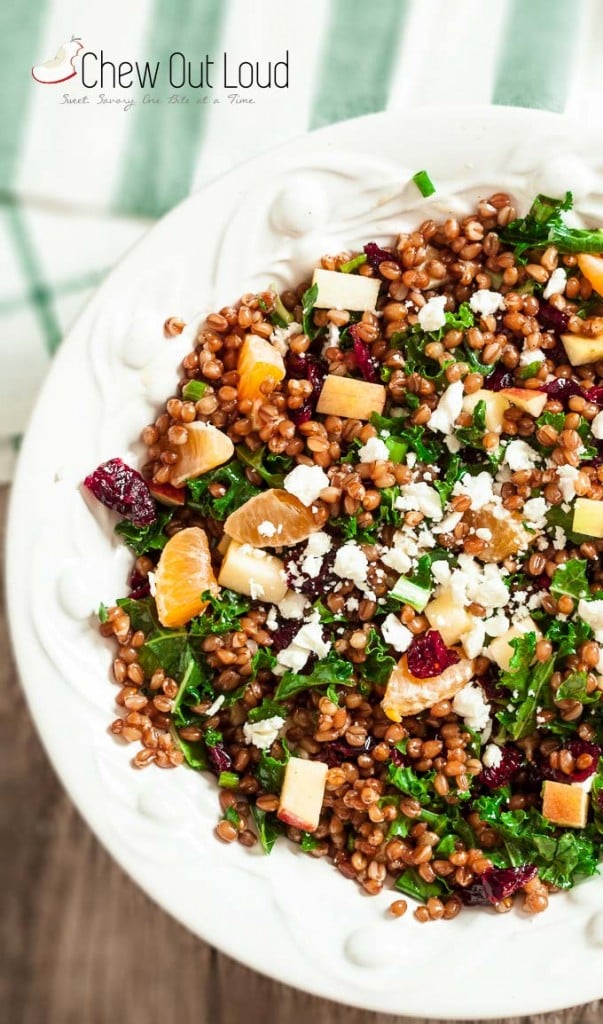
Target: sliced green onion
(417,597)
(103,612)
(424,183)
(193,390)
(228,780)
(281,310)
(356,261)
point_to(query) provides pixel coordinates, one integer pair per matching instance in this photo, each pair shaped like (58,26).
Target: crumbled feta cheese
(452,443)
(566,479)
(293,605)
(440,571)
(256,590)
(477,488)
(483,584)
(281,337)
(597,426)
(473,640)
(152,585)
(374,450)
(308,640)
(534,510)
(411,460)
(560,539)
(432,315)
(352,604)
(556,283)
(591,612)
(444,416)
(266,529)
(272,617)
(520,455)
(263,734)
(483,533)
(397,560)
(332,340)
(496,625)
(469,703)
(396,634)
(351,563)
(215,707)
(486,302)
(306,483)
(317,547)
(492,756)
(531,355)
(448,523)
(420,497)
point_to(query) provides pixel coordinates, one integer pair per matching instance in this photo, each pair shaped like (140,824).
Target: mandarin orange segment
(205,448)
(406,694)
(183,573)
(592,268)
(271,519)
(507,536)
(258,360)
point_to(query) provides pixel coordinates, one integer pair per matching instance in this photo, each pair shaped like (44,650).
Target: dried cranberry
(283,636)
(338,751)
(505,771)
(542,582)
(123,490)
(139,586)
(219,758)
(498,883)
(428,655)
(305,366)
(576,748)
(499,378)
(473,895)
(376,255)
(552,319)
(562,388)
(362,354)
(594,394)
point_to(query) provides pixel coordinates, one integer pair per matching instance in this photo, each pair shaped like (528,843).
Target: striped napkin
(80,183)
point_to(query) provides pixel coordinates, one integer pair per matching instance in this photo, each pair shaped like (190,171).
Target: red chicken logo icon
(61,68)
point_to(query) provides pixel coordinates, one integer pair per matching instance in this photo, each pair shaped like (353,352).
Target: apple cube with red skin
(302,793)
(532,402)
(581,349)
(496,406)
(165,494)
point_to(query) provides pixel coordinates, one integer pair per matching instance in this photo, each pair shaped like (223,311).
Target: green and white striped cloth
(80,183)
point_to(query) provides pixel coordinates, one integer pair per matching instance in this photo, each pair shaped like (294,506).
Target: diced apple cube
(302,793)
(588,517)
(500,650)
(165,494)
(496,406)
(345,291)
(532,402)
(581,350)
(252,571)
(448,617)
(564,804)
(353,399)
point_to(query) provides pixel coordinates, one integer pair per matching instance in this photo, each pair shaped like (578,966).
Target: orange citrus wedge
(508,535)
(592,268)
(258,360)
(183,573)
(271,519)
(205,448)
(408,695)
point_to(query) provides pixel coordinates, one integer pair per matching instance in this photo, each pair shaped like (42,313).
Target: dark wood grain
(81,944)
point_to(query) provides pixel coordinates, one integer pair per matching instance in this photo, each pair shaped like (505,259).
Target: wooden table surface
(81,944)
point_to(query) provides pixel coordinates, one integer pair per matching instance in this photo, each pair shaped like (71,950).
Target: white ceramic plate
(288,916)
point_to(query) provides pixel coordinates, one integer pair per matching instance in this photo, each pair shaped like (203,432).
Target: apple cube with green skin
(496,406)
(448,617)
(302,793)
(252,571)
(500,650)
(588,517)
(581,350)
(532,402)
(345,291)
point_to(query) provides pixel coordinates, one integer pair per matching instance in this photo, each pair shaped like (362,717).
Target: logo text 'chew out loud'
(179,72)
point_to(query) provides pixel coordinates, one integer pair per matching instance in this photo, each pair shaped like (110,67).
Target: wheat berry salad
(368,592)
